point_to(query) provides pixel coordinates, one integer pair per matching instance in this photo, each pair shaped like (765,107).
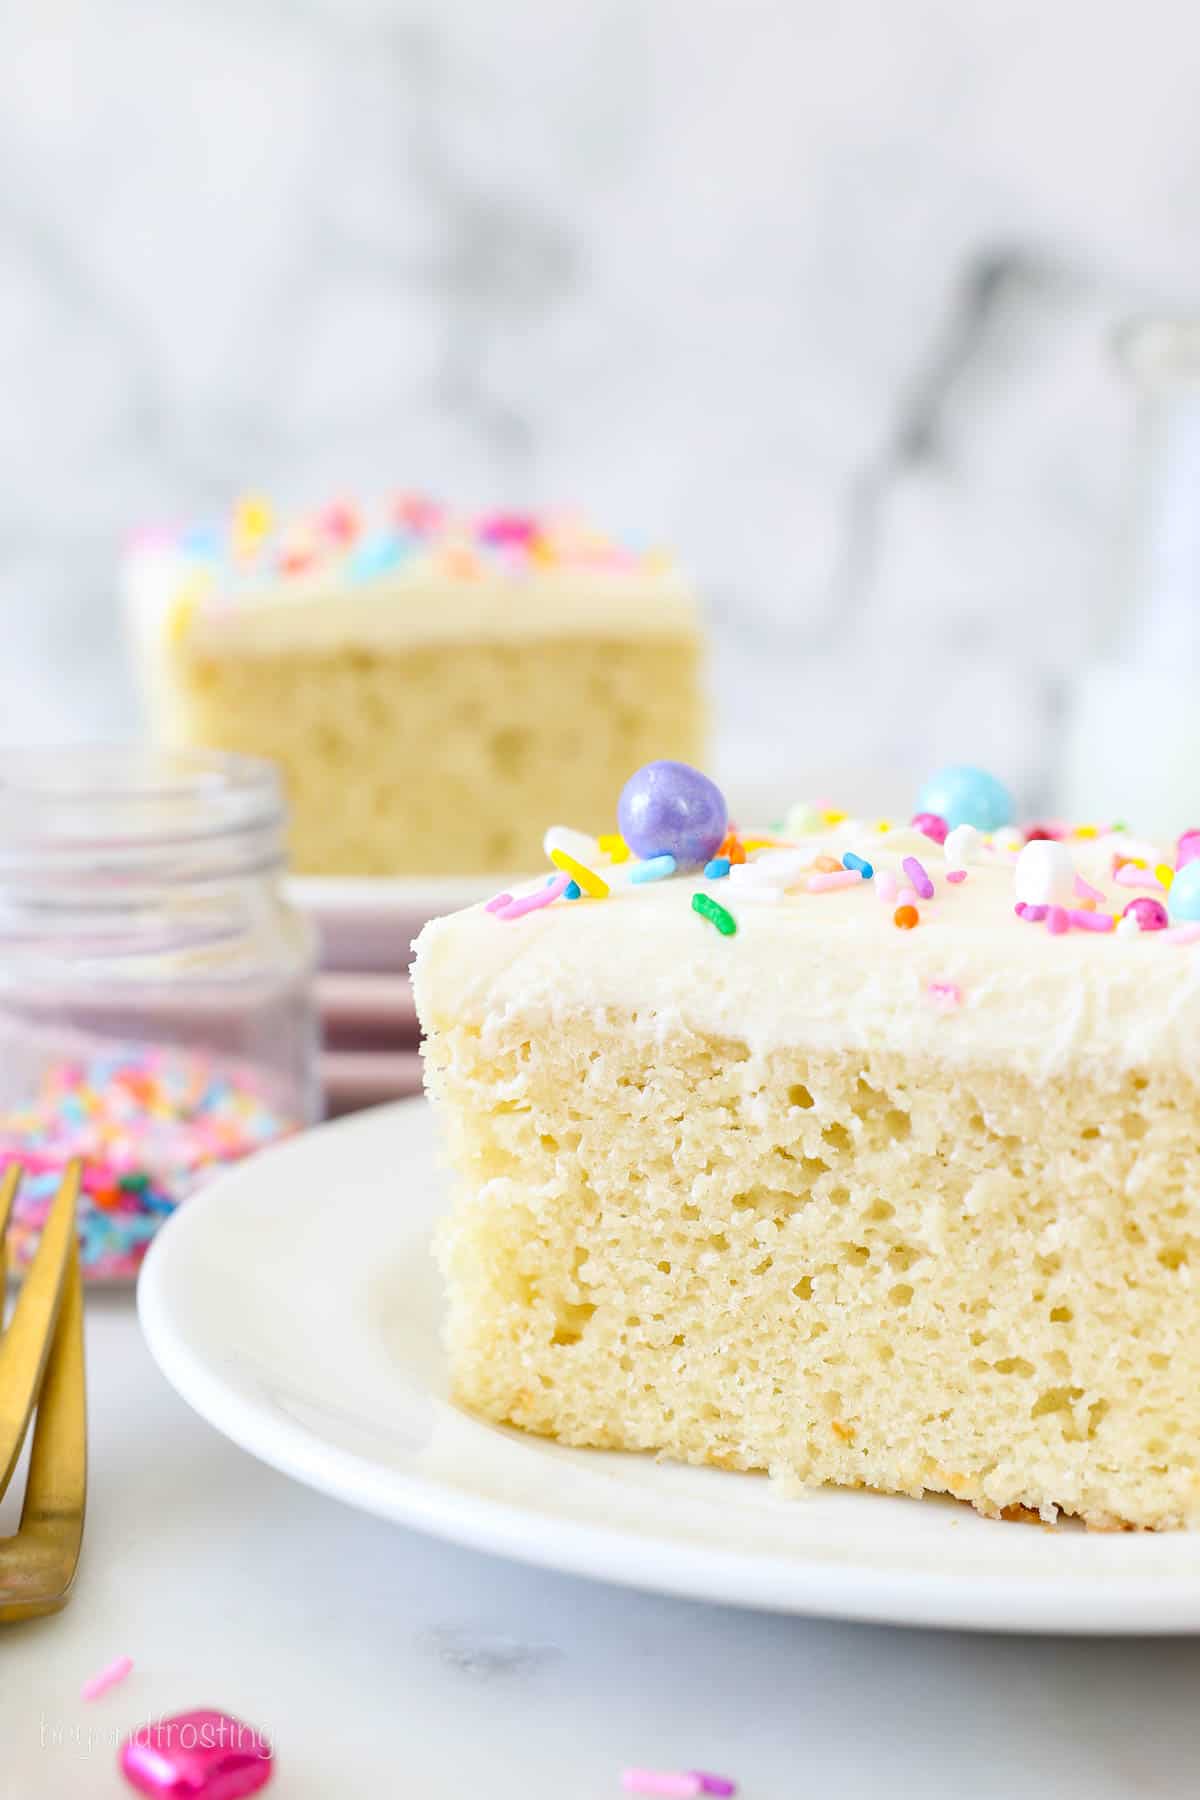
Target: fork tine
(25,1346)
(41,1560)
(8,1188)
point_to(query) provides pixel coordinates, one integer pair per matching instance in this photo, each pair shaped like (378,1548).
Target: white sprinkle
(961,847)
(1045,874)
(578,844)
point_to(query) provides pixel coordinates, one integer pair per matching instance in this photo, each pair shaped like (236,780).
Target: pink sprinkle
(508,528)
(1182,934)
(946,995)
(714,1784)
(956,875)
(516,909)
(1057,920)
(104,1679)
(906,897)
(919,877)
(1187,849)
(826,882)
(1035,914)
(1129,876)
(339,521)
(886,885)
(1092,921)
(662,1781)
(1086,891)
(498,901)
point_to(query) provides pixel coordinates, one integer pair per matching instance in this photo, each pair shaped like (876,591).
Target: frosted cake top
(1047,944)
(327,575)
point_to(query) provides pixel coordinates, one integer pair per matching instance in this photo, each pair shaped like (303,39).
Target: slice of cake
(433,688)
(870,1160)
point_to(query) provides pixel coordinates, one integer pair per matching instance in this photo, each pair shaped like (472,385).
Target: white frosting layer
(830,970)
(167,593)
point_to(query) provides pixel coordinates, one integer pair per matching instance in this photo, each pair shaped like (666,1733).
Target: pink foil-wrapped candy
(1187,849)
(1150,913)
(201,1755)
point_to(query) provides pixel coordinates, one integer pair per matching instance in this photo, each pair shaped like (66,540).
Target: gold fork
(41,1362)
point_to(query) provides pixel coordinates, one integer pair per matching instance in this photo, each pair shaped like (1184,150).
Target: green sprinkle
(715,913)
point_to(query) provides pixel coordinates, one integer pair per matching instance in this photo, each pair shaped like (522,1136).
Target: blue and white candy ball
(962,795)
(1183,901)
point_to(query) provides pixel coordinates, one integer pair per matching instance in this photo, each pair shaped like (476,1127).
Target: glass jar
(156,993)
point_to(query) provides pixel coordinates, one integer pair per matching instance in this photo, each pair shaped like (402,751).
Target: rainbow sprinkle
(655,868)
(105,1678)
(919,876)
(151,1123)
(829,880)
(592,884)
(715,913)
(516,909)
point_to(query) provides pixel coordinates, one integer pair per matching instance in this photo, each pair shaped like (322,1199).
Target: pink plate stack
(368,1021)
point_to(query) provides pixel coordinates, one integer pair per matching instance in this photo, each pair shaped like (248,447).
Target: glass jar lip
(128,805)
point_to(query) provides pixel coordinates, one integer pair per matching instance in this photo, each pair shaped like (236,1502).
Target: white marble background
(820,291)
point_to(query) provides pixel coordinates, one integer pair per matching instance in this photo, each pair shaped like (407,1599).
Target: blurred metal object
(41,1361)
(1132,746)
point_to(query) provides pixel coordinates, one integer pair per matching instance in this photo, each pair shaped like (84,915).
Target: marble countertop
(820,295)
(380,1662)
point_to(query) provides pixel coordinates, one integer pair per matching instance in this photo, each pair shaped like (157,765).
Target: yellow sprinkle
(759,843)
(614,847)
(184,606)
(1165,873)
(833,818)
(1087,831)
(883,825)
(253,520)
(589,881)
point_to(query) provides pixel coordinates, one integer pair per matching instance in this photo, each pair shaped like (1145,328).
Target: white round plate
(295,1306)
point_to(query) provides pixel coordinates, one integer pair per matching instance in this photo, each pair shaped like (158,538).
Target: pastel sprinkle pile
(152,1124)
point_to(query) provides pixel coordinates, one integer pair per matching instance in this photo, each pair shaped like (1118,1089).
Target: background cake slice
(862,1178)
(434,689)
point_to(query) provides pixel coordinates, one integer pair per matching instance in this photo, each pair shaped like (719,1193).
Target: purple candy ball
(1187,849)
(1150,914)
(931,825)
(671,809)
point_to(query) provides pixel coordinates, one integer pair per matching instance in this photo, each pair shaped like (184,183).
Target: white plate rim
(1159,1602)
